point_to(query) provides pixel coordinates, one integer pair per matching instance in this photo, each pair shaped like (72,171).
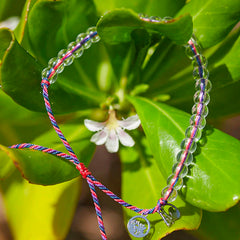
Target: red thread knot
(83,170)
(162,202)
(46,82)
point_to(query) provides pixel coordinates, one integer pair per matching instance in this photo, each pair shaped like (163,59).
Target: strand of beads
(154,18)
(197,122)
(65,57)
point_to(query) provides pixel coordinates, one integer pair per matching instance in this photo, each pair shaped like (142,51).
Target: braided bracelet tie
(139,225)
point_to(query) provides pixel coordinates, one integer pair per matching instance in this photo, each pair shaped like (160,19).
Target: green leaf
(227,222)
(40,212)
(212,19)
(117,26)
(5,39)
(6,166)
(46,169)
(22,30)
(44,21)
(24,126)
(9,8)
(232,60)
(160,8)
(142,183)
(211,183)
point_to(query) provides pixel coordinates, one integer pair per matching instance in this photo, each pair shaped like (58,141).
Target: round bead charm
(138,226)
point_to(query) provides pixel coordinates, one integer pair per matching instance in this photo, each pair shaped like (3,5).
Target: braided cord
(56,66)
(91,179)
(192,131)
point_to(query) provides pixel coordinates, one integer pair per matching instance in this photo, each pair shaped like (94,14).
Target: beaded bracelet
(138,226)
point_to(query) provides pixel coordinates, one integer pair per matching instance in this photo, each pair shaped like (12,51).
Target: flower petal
(93,125)
(100,137)
(125,138)
(112,143)
(130,123)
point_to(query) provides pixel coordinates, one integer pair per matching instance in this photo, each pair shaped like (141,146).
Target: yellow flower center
(112,122)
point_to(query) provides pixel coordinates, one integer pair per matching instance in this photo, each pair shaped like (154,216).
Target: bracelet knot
(83,170)
(45,82)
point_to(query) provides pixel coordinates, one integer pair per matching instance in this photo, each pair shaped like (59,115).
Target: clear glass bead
(198,120)
(45,72)
(187,142)
(155,19)
(71,46)
(184,170)
(91,30)
(78,52)
(80,37)
(53,79)
(203,85)
(95,39)
(204,73)
(203,61)
(167,19)
(193,132)
(142,15)
(62,53)
(189,53)
(172,196)
(52,62)
(201,97)
(178,184)
(200,108)
(87,44)
(187,155)
(60,68)
(68,61)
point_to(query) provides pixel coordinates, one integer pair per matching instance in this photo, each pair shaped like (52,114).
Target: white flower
(112,131)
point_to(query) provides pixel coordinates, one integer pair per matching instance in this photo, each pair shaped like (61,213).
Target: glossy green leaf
(211,183)
(5,39)
(24,126)
(46,169)
(39,212)
(21,32)
(6,166)
(44,21)
(227,225)
(160,8)
(9,8)
(232,60)
(22,87)
(212,19)
(117,26)
(142,183)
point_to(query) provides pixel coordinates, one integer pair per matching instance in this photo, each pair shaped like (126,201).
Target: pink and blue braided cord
(92,182)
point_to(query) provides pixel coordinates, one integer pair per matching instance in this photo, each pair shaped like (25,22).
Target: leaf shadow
(142,159)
